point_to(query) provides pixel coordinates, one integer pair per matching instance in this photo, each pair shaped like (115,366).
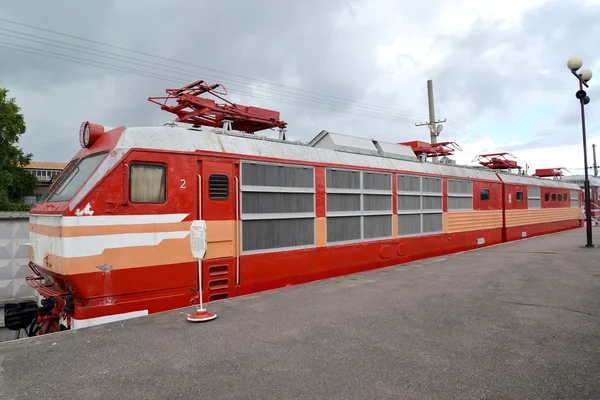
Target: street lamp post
(583,76)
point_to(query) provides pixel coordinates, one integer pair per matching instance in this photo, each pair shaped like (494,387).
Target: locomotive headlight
(84,134)
(89,133)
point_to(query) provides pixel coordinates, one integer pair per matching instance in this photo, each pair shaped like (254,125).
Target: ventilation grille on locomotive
(534,199)
(419,205)
(218,187)
(460,195)
(278,206)
(358,205)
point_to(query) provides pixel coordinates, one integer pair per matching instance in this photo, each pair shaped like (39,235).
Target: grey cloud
(555,137)
(265,40)
(571,114)
(547,37)
(323,61)
(29,71)
(567,129)
(327,47)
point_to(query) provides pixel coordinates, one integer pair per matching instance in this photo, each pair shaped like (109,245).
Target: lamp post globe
(574,63)
(585,74)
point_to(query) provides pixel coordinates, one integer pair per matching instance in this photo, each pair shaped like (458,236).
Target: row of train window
(278,202)
(484,195)
(561,197)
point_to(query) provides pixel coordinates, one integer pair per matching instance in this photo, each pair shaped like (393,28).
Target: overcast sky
(498,68)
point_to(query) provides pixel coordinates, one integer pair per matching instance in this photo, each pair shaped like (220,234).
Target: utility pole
(433,130)
(595,165)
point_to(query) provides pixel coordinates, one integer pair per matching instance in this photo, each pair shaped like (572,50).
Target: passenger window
(484,194)
(218,187)
(560,197)
(547,196)
(148,183)
(519,196)
(553,196)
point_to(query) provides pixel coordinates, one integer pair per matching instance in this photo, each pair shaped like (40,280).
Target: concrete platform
(516,321)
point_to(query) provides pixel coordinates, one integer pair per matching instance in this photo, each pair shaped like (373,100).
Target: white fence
(14,259)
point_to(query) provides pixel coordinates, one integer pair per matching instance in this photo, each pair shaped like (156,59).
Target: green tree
(15,181)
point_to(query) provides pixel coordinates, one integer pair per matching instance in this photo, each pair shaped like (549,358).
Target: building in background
(45,172)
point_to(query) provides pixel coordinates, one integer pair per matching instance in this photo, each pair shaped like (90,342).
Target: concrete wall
(14,259)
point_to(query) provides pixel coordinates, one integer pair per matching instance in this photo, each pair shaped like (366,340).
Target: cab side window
(147,183)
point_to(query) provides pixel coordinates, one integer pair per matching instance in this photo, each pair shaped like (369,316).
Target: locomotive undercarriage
(52,314)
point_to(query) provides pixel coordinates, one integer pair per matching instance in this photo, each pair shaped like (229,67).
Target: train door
(218,205)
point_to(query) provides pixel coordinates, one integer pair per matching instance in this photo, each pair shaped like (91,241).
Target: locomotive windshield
(75,175)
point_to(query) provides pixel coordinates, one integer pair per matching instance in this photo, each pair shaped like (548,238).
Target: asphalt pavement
(515,321)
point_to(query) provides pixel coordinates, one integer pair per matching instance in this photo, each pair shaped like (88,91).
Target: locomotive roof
(326,147)
(579,179)
(336,149)
(531,180)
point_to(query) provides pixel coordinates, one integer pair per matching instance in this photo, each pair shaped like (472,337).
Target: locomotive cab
(110,239)
(51,223)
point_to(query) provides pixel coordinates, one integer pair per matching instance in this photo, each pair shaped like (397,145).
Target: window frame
(60,177)
(487,194)
(554,197)
(151,164)
(67,175)
(517,196)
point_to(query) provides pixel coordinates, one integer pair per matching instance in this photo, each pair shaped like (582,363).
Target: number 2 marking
(182,184)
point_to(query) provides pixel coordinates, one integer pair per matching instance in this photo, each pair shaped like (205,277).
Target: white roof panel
(340,142)
(396,150)
(181,139)
(356,152)
(363,153)
(531,180)
(579,179)
(460,171)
